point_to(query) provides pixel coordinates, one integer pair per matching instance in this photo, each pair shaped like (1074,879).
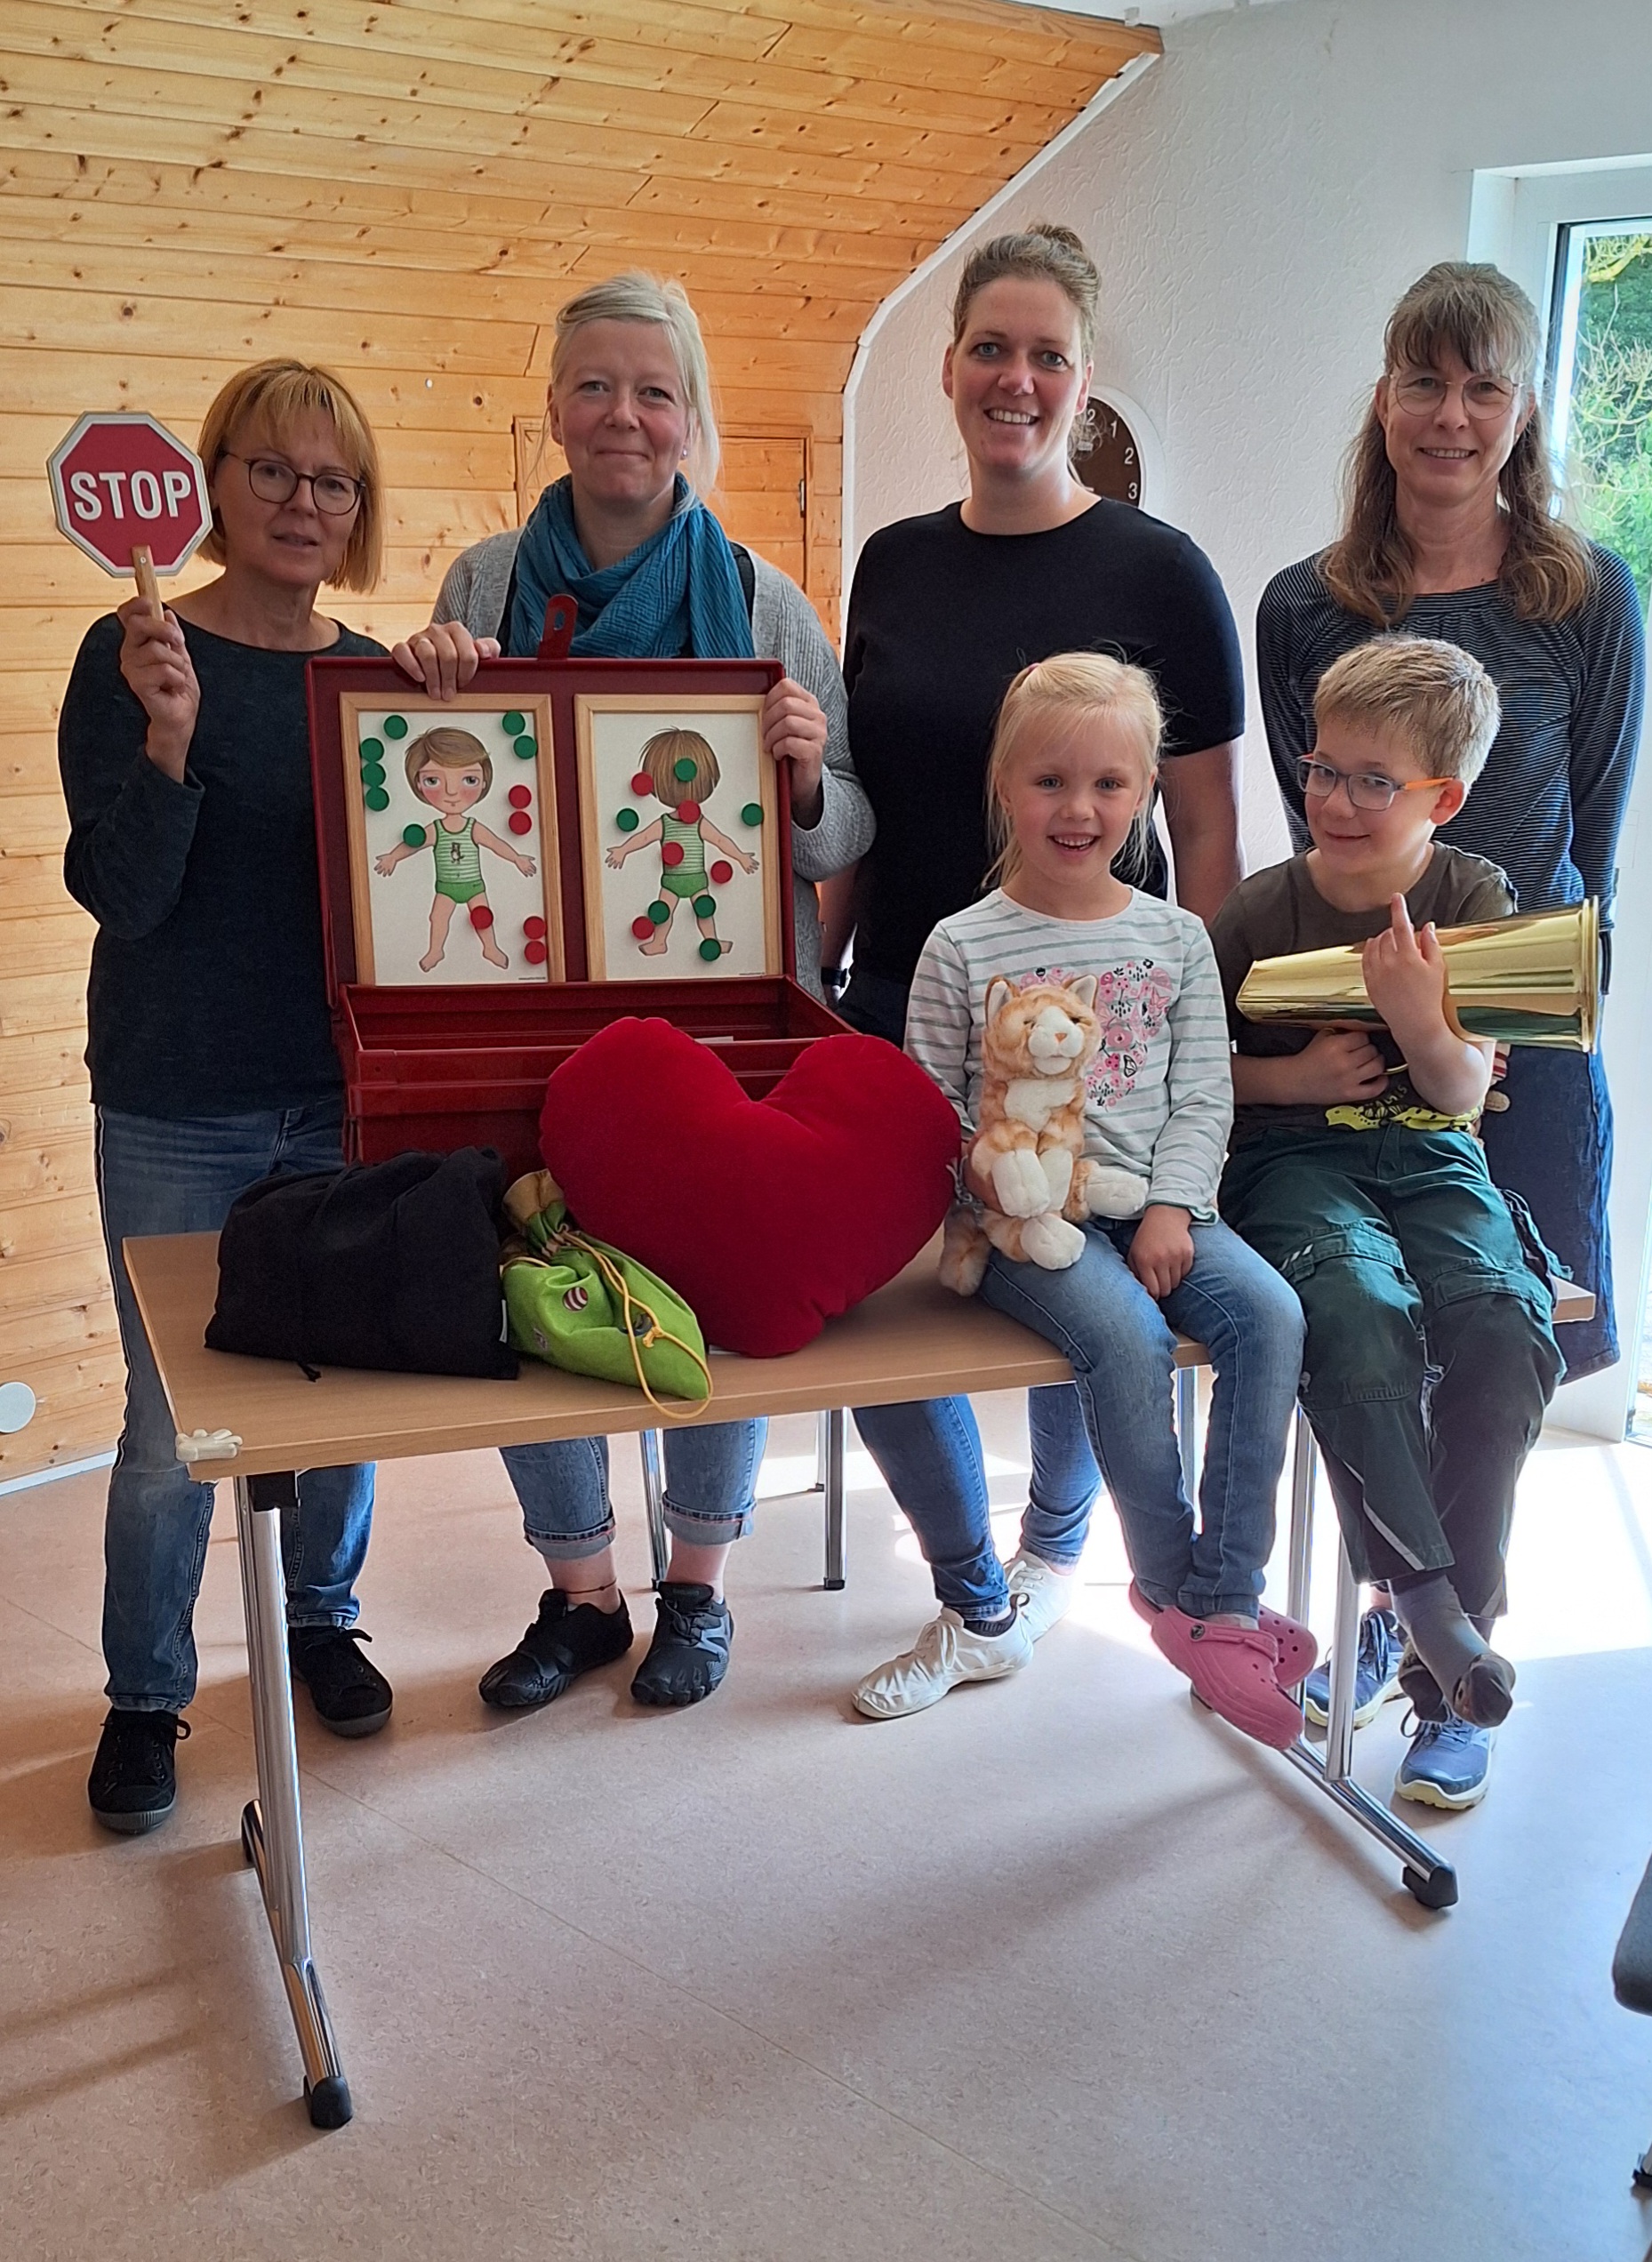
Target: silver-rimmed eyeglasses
(1419,391)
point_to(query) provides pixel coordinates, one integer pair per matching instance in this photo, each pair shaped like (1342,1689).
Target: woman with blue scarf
(654,577)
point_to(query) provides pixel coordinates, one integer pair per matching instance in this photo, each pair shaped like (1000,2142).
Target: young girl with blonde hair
(1069,779)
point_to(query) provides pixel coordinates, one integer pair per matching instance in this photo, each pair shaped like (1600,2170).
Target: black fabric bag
(389,1264)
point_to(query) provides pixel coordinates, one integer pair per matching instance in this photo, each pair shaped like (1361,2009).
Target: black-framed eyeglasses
(334,493)
(1365,789)
(1419,391)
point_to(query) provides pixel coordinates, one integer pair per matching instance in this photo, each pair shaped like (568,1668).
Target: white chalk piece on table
(130,495)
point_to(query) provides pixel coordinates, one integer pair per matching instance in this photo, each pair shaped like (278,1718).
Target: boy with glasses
(1354,1168)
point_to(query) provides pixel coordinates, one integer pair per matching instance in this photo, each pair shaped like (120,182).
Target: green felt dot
(627,821)
(711,949)
(372,749)
(525,750)
(412,836)
(372,773)
(705,907)
(659,913)
(377,798)
(753,814)
(396,726)
(512,723)
(685,769)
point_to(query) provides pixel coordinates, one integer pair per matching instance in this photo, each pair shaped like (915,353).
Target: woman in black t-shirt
(945,610)
(185,755)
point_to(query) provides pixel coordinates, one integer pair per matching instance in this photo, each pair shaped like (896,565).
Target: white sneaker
(1043,1595)
(944,1654)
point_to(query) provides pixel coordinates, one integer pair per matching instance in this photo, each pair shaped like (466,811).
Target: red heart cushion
(769,1216)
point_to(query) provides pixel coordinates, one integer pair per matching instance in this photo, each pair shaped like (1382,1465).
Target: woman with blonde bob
(1063,950)
(627,535)
(1449,528)
(185,756)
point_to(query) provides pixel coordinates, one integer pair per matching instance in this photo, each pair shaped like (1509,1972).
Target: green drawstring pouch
(589,1307)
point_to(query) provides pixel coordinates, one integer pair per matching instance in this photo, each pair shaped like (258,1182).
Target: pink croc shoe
(1234,1669)
(1298,1649)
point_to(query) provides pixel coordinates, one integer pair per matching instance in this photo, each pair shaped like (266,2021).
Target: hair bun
(1053,232)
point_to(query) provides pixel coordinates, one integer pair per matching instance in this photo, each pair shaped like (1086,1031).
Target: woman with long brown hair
(1450,528)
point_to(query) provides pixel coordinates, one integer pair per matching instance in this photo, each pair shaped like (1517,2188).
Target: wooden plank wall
(409,193)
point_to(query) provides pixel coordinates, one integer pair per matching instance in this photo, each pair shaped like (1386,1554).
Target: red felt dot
(480,917)
(688,812)
(519,798)
(642,928)
(722,872)
(519,821)
(672,853)
(536,953)
(535,929)
(642,783)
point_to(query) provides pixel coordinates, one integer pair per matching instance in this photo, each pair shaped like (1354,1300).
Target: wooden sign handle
(148,587)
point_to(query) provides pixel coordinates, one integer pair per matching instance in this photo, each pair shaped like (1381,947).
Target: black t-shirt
(208,990)
(941,619)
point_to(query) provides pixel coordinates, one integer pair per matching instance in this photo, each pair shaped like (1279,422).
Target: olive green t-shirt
(1278,913)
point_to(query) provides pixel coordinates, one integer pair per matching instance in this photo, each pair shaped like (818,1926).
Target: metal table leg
(272,1831)
(1187,1438)
(1426,1877)
(654,1496)
(830,1450)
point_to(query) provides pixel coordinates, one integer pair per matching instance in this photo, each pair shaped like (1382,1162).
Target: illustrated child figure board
(460,792)
(682,769)
(681,850)
(451,771)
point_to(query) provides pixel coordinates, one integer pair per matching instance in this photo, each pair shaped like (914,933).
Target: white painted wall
(1255,203)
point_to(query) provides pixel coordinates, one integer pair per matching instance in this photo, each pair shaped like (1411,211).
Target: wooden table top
(913,1339)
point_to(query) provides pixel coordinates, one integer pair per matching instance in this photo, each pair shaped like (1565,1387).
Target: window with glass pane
(1600,368)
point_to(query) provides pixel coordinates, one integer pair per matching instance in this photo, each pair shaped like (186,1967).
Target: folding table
(260,1421)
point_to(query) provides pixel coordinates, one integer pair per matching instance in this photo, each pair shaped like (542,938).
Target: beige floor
(1059,1970)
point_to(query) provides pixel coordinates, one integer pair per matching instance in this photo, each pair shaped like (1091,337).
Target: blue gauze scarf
(677,593)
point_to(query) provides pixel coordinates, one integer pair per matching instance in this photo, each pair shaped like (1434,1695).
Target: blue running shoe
(1447,1763)
(1376,1672)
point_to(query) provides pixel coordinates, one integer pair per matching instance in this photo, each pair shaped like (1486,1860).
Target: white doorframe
(1515,217)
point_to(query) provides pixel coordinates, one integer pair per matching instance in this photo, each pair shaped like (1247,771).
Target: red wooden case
(462,1064)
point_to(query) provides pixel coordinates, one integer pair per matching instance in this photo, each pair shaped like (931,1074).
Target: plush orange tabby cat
(1029,1147)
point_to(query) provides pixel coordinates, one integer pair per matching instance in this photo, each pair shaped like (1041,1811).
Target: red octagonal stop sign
(121,482)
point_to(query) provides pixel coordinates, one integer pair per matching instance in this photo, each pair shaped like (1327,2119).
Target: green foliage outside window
(1610,429)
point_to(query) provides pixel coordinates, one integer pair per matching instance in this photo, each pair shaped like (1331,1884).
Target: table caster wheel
(329,2102)
(1436,1890)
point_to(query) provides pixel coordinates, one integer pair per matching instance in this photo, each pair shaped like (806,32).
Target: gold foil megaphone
(1531,979)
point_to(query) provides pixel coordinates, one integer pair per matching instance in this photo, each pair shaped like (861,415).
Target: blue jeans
(711,1489)
(162,1174)
(1552,1146)
(1121,1345)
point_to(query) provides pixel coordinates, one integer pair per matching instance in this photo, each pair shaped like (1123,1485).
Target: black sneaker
(134,1783)
(351,1695)
(559,1646)
(689,1653)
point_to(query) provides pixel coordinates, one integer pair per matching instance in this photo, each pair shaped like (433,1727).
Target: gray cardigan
(784,628)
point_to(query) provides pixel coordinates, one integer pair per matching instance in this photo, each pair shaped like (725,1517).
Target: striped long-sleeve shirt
(1160,1090)
(1548,804)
